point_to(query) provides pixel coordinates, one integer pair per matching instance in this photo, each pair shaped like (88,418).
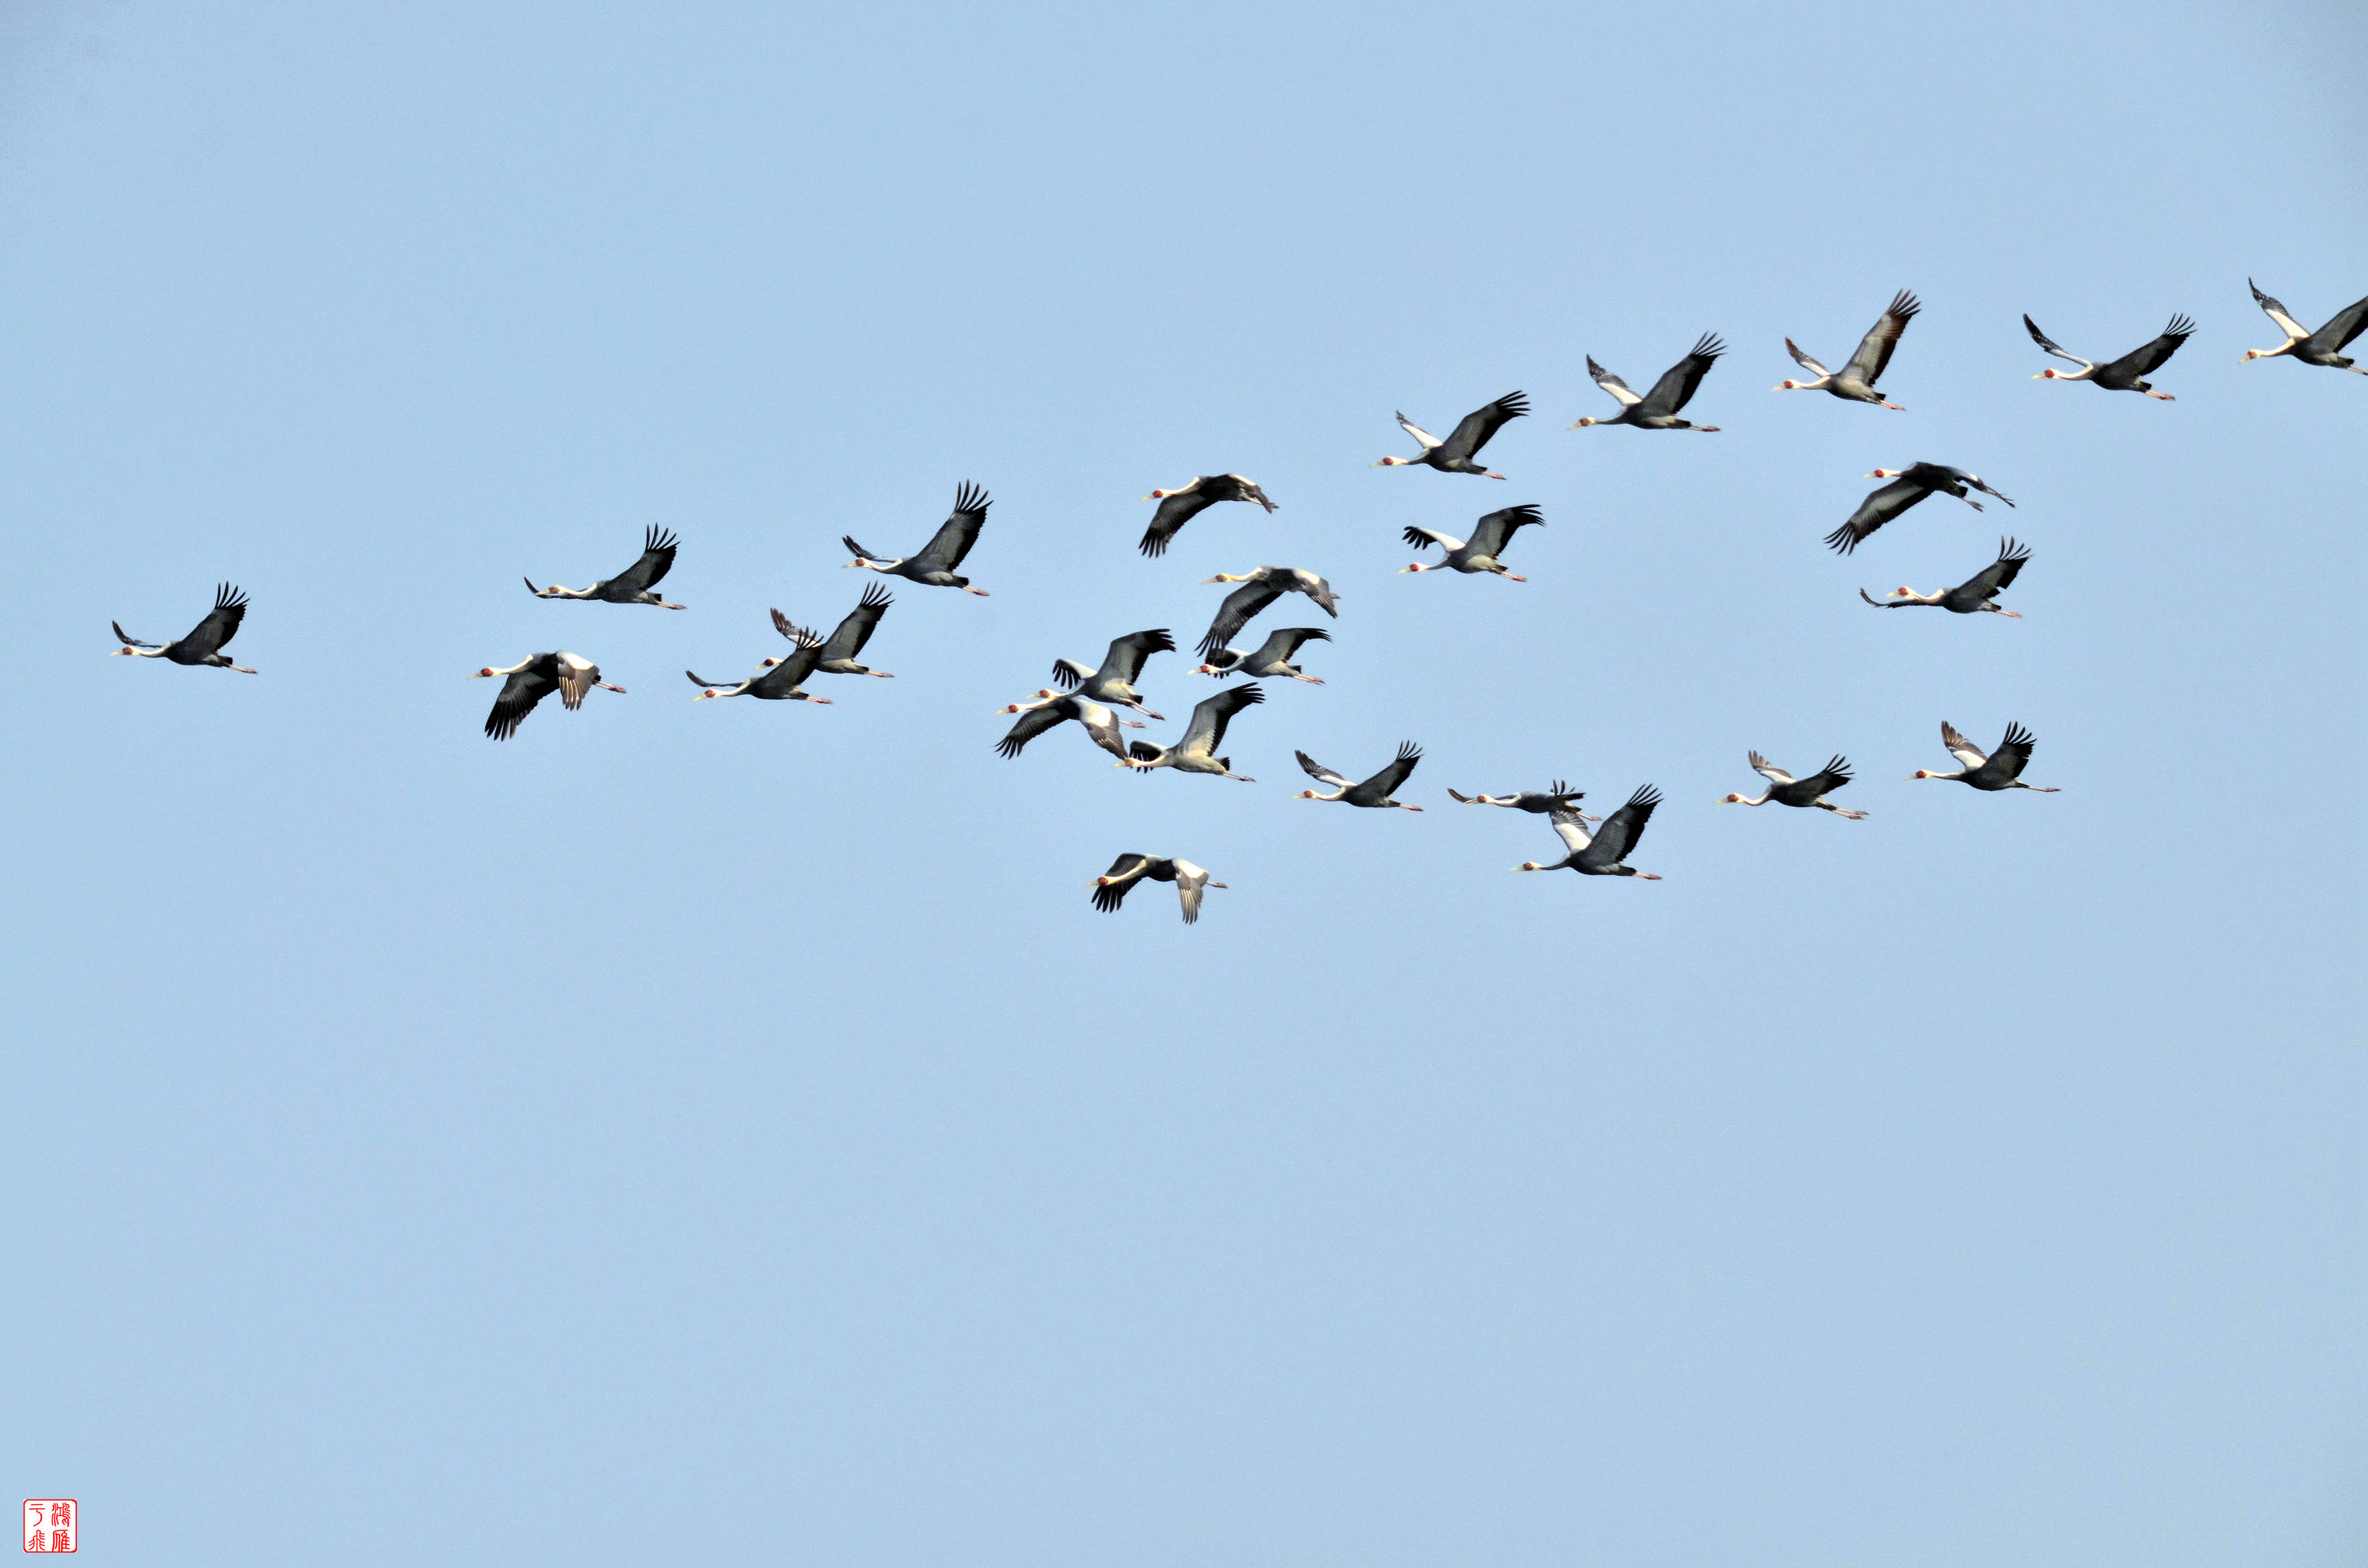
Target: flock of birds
(1093,695)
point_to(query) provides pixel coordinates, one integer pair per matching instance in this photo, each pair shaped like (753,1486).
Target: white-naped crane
(1478,554)
(1113,886)
(1270,661)
(837,654)
(1373,792)
(1196,753)
(1186,502)
(636,584)
(1556,798)
(1122,667)
(1787,790)
(1472,432)
(1856,381)
(1101,725)
(1601,853)
(2001,770)
(203,645)
(2127,373)
(1977,592)
(1908,485)
(776,679)
(2324,347)
(1257,590)
(934,566)
(535,677)
(1657,409)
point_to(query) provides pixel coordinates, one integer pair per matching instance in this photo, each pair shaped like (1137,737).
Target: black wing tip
(1408,751)
(2181,326)
(229,596)
(1528,512)
(1646,796)
(1312,633)
(971,497)
(1108,897)
(874,597)
(1904,305)
(2012,549)
(849,540)
(1417,538)
(1154,543)
(1142,751)
(656,537)
(2016,735)
(1844,539)
(1247,696)
(1513,405)
(1709,347)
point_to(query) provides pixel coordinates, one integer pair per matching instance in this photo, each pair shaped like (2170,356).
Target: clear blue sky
(725,1134)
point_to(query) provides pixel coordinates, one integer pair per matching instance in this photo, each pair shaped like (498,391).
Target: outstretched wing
(128,640)
(1490,533)
(1206,733)
(1623,827)
(2138,361)
(1833,776)
(1571,828)
(1067,673)
(1124,873)
(518,695)
(1999,574)
(959,532)
(1322,774)
(855,630)
(1283,642)
(2049,344)
(1805,361)
(1875,349)
(1101,726)
(1423,538)
(1247,490)
(1428,441)
(1618,389)
(1880,506)
(1126,655)
(2014,754)
(1235,613)
(1179,507)
(1986,489)
(1963,750)
(1386,781)
(2277,312)
(220,625)
(1190,880)
(1767,769)
(657,560)
(802,636)
(855,548)
(1676,387)
(2340,328)
(1473,431)
(1031,724)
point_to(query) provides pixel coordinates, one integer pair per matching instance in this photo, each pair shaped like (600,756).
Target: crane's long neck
(1748,801)
(2288,346)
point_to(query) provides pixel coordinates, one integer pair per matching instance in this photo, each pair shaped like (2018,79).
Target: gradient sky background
(727,1134)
